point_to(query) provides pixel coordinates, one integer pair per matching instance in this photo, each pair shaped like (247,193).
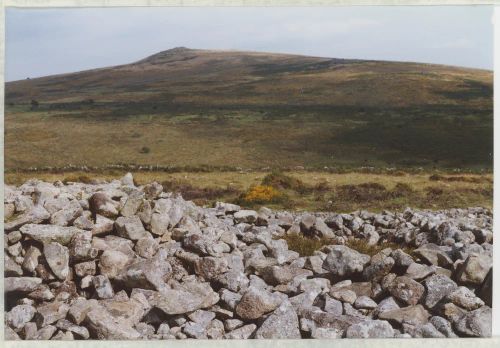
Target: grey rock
(343,261)
(443,326)
(146,247)
(245,216)
(50,233)
(231,324)
(186,297)
(21,284)
(475,269)
(401,258)
(85,268)
(283,323)
(422,331)
(34,216)
(102,287)
(131,228)
(476,323)
(364,302)
(256,302)
(112,262)
(241,333)
(66,325)
(45,333)
(11,268)
(57,257)
(146,274)
(370,329)
(385,305)
(438,287)
(414,315)
(333,306)
(100,203)
(102,325)
(465,298)
(418,271)
(407,290)
(51,312)
(434,255)
(19,316)
(79,309)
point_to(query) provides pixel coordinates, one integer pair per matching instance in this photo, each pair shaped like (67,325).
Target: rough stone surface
(370,329)
(120,261)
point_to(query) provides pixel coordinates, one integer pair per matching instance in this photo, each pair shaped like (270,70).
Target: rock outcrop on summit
(116,261)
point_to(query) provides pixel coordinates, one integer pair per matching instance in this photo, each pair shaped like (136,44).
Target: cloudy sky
(42,42)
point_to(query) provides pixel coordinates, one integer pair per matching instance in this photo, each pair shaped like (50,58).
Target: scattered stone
(120,262)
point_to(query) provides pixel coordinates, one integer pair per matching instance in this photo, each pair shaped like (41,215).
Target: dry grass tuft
(307,246)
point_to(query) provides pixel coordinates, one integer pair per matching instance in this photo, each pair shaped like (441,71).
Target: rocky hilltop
(116,261)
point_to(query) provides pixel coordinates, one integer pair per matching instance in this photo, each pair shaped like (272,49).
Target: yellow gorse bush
(261,194)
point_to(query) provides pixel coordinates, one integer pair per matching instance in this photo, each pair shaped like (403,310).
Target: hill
(185,107)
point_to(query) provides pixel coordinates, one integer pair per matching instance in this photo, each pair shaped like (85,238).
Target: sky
(41,42)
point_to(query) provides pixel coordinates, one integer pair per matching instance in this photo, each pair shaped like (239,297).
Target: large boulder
(344,261)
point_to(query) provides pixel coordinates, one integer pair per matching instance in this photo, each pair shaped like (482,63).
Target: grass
(319,190)
(307,246)
(254,111)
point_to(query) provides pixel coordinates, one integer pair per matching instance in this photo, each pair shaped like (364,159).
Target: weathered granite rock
(50,233)
(414,315)
(407,290)
(57,257)
(19,316)
(476,323)
(256,302)
(343,261)
(370,329)
(438,287)
(283,323)
(185,298)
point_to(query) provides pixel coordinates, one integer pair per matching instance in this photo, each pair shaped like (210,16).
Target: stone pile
(113,261)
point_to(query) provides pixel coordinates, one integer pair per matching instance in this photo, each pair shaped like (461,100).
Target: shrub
(280,180)
(145,149)
(362,193)
(401,190)
(262,194)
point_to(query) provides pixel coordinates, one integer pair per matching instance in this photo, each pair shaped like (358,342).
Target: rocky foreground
(119,262)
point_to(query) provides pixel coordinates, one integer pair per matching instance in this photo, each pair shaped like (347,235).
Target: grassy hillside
(185,107)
